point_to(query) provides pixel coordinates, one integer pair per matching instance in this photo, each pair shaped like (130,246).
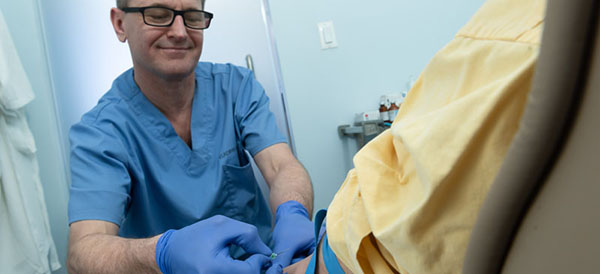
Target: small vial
(393,110)
(383,109)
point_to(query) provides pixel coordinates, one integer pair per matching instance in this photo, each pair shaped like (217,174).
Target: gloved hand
(203,247)
(293,235)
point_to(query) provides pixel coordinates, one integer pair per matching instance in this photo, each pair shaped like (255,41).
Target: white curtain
(26,245)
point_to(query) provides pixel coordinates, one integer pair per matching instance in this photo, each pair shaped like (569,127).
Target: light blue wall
(23,22)
(381,44)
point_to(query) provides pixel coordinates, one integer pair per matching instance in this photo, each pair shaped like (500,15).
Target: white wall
(24,25)
(381,44)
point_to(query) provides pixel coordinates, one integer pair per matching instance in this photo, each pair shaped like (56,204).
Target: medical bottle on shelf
(393,109)
(383,109)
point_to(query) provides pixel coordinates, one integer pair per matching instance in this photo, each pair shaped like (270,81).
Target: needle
(274,255)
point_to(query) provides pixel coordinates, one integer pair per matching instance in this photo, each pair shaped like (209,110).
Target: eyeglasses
(164,17)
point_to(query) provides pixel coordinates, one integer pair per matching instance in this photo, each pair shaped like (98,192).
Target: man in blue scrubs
(160,177)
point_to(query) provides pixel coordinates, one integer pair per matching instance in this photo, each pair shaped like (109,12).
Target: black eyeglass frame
(175,13)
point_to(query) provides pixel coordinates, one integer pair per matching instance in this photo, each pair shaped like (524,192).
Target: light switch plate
(327,35)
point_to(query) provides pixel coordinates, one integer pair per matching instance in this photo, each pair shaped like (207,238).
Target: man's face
(167,52)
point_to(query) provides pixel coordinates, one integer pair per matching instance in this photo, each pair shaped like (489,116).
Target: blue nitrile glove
(203,247)
(293,235)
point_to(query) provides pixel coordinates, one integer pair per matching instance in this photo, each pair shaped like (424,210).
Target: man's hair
(123,3)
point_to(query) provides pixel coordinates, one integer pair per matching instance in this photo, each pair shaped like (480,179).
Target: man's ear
(116,18)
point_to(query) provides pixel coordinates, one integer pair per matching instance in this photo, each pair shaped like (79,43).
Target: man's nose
(178,29)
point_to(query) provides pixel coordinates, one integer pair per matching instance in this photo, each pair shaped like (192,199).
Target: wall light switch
(327,35)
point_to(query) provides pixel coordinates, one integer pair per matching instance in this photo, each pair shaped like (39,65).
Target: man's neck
(172,96)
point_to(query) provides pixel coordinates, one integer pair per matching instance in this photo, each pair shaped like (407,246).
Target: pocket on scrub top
(239,199)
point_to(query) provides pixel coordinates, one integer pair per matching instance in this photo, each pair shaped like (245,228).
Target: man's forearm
(292,183)
(101,253)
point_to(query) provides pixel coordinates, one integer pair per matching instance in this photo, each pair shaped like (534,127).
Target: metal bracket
(362,131)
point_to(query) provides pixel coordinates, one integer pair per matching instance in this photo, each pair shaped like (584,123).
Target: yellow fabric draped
(411,201)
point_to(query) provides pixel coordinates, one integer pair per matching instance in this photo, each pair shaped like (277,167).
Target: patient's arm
(300,267)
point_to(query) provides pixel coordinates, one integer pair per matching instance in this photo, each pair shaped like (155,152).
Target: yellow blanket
(410,204)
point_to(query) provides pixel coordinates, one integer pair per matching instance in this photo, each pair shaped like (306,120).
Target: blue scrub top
(130,167)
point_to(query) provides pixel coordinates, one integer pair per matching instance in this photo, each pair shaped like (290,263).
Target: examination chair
(542,213)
